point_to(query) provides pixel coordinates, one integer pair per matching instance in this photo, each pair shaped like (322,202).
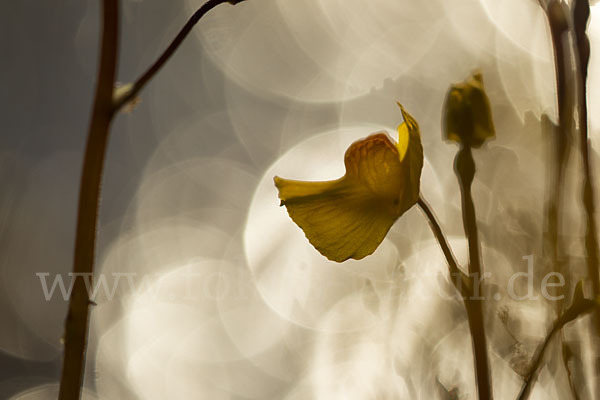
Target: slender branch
(439,235)
(581,14)
(558,28)
(561,138)
(581,11)
(465,171)
(472,304)
(105,107)
(580,306)
(551,251)
(76,325)
(170,50)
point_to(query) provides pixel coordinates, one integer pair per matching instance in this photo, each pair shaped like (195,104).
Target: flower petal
(341,223)
(349,217)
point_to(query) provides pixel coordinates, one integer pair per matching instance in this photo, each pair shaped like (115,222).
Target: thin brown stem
(581,11)
(579,307)
(441,238)
(472,304)
(561,139)
(581,14)
(558,29)
(76,325)
(169,51)
(465,170)
(105,107)
(537,362)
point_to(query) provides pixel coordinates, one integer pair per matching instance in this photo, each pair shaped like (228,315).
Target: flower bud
(467,117)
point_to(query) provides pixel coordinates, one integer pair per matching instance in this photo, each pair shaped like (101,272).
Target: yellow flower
(350,216)
(467,113)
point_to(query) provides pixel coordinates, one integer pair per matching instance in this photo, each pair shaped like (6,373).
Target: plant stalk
(169,51)
(472,305)
(76,324)
(578,308)
(581,11)
(465,171)
(455,272)
(104,108)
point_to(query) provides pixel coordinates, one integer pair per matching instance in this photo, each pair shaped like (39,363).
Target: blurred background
(206,289)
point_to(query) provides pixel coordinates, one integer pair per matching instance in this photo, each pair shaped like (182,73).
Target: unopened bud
(467,116)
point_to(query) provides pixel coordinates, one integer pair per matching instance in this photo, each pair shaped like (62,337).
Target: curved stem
(579,307)
(536,363)
(166,55)
(76,325)
(439,235)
